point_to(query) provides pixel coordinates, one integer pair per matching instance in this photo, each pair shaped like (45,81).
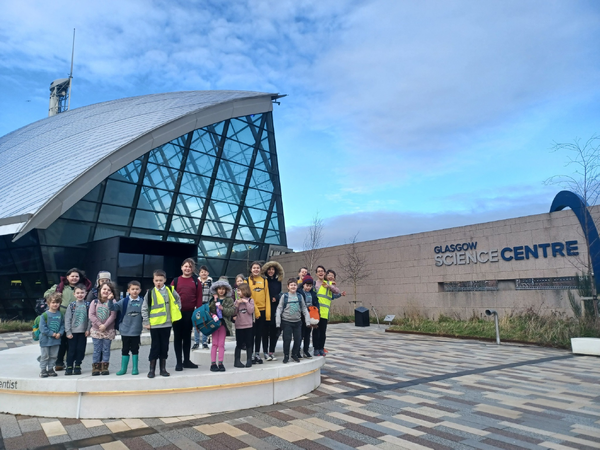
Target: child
(239,280)
(310,299)
(301,274)
(206,282)
(130,326)
(161,307)
(325,291)
(273,272)
(67,288)
(52,327)
(289,317)
(102,277)
(244,308)
(190,293)
(222,306)
(77,329)
(103,328)
(262,310)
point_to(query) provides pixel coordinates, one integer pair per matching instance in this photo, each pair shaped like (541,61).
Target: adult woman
(273,272)
(262,310)
(325,292)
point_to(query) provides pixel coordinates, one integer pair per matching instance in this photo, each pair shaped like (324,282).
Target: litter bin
(361,317)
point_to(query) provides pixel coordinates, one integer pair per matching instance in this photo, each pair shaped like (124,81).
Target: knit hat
(308,280)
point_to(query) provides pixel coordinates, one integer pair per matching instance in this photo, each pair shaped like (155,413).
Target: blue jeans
(101,350)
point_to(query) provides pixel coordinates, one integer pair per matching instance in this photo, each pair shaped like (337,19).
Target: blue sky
(401,116)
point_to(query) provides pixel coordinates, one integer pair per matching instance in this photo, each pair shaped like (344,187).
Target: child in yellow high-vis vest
(161,307)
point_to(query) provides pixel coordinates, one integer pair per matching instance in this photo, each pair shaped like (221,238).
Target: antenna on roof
(60,90)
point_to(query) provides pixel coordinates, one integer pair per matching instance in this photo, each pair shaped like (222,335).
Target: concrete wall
(405,279)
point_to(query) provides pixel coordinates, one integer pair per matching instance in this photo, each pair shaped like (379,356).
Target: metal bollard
(493,312)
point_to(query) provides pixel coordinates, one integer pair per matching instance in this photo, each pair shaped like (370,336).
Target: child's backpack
(203,320)
(35,331)
(313,312)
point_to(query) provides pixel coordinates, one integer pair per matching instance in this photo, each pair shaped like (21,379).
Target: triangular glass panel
(240,131)
(261,180)
(200,163)
(167,155)
(131,172)
(205,142)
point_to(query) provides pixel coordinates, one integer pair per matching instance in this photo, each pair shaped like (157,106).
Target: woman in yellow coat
(262,310)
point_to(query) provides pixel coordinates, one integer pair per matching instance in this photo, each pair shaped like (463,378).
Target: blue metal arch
(568,199)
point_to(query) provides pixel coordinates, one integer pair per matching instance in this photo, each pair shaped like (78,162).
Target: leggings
(274,334)
(261,333)
(319,343)
(218,343)
(182,336)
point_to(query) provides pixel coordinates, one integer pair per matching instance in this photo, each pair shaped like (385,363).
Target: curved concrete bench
(192,391)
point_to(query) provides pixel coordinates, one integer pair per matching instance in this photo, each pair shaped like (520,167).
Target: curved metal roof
(47,166)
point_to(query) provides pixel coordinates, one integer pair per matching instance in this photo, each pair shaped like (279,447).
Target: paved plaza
(379,391)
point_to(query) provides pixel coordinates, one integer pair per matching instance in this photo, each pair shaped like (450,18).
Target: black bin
(361,317)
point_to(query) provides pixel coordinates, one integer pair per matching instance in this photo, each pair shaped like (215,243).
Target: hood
(213,288)
(64,282)
(278,270)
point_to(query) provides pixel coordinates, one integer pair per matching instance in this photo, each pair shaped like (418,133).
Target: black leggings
(182,336)
(319,343)
(274,334)
(261,333)
(243,336)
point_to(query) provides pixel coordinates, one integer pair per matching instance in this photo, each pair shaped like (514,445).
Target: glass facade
(216,189)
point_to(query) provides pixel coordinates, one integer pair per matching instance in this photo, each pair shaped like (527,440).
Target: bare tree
(354,265)
(313,243)
(583,181)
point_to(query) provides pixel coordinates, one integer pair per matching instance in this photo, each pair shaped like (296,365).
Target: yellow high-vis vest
(325,296)
(158,310)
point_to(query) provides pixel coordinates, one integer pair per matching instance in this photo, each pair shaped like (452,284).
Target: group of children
(75,311)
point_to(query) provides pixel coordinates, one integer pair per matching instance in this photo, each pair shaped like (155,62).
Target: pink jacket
(108,322)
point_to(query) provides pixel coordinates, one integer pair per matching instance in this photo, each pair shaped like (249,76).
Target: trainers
(269,357)
(286,359)
(295,358)
(299,356)
(307,355)
(77,370)
(59,366)
(189,365)
(272,357)
(195,346)
(178,367)
(221,367)
(44,373)
(204,345)
(52,373)
(69,371)
(257,360)
(324,351)
(214,367)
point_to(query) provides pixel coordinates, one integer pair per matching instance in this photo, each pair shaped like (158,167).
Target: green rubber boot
(134,365)
(124,364)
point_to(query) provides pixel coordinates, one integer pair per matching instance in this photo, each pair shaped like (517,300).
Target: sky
(400,117)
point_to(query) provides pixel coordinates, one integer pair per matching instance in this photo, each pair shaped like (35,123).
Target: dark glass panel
(30,238)
(160,177)
(253,217)
(119,193)
(217,229)
(155,199)
(219,211)
(114,214)
(94,194)
(261,180)
(182,239)
(61,259)
(212,249)
(238,152)
(205,142)
(167,155)
(258,199)
(236,267)
(131,172)
(130,265)
(249,252)
(215,266)
(3,240)
(66,233)
(273,237)
(227,192)
(185,225)
(239,130)
(189,206)
(146,234)
(27,259)
(200,163)
(248,234)
(108,231)
(229,171)
(82,211)
(153,262)
(194,184)
(151,220)
(6,264)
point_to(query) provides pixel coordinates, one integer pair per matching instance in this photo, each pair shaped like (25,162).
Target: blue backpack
(203,320)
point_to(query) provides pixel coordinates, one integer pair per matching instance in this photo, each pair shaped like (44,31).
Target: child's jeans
(48,356)
(218,343)
(101,350)
(76,351)
(291,329)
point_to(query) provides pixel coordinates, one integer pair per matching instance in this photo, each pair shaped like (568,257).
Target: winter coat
(68,291)
(274,282)
(260,294)
(227,303)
